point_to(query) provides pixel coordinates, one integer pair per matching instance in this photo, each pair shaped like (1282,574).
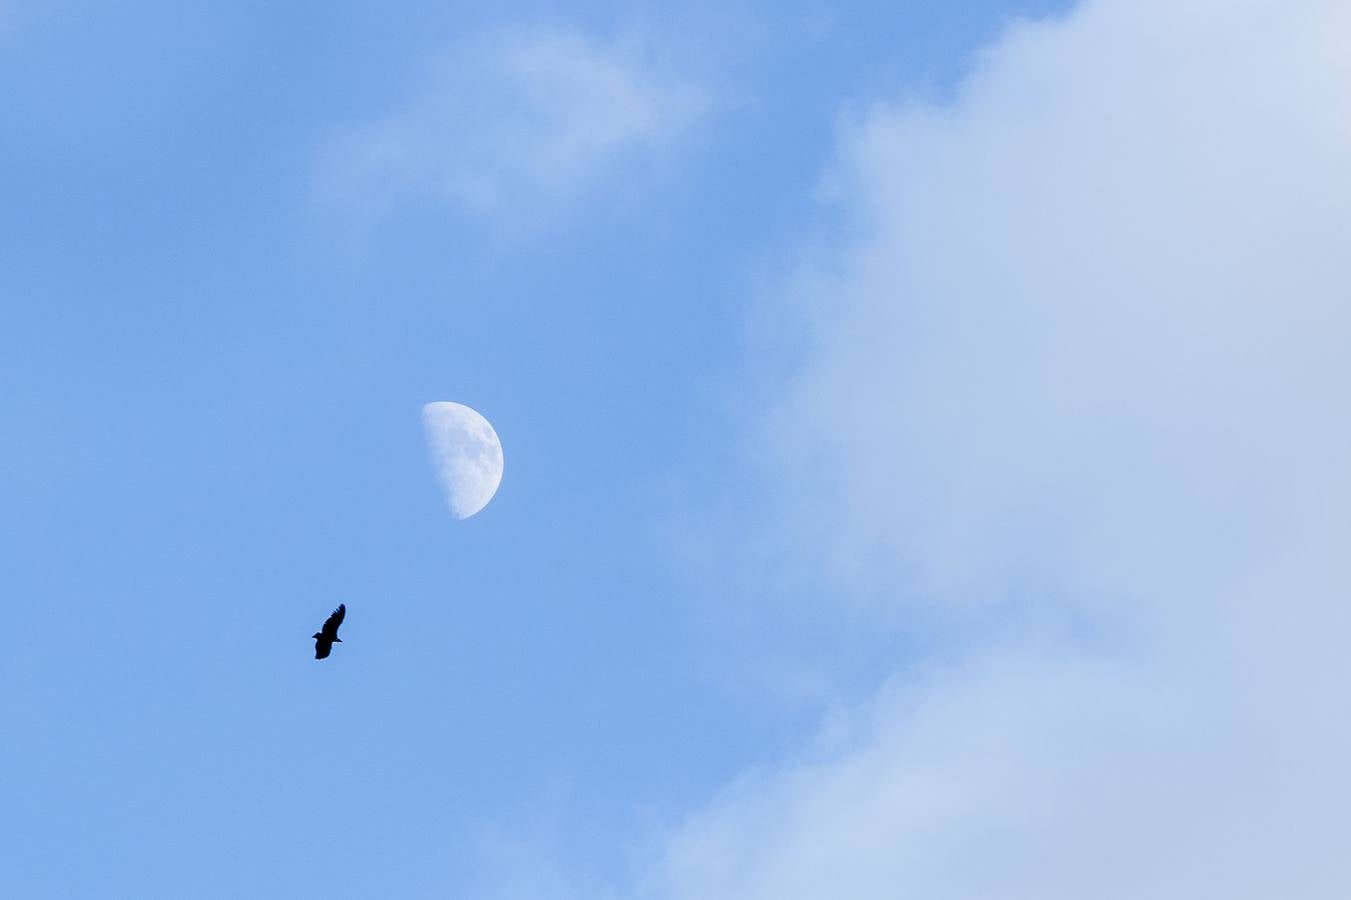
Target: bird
(326,637)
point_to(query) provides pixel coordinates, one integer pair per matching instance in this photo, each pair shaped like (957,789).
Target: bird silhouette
(326,637)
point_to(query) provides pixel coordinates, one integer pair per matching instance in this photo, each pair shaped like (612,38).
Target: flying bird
(326,637)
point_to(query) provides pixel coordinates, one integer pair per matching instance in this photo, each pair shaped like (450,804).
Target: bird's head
(317,635)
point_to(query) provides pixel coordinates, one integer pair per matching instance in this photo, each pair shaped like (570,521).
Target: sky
(925,437)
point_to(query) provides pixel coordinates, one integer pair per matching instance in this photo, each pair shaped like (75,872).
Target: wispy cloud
(1084,348)
(520,123)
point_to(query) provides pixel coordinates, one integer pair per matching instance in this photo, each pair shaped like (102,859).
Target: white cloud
(519,122)
(1084,343)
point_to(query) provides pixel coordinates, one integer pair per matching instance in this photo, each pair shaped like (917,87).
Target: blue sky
(923,435)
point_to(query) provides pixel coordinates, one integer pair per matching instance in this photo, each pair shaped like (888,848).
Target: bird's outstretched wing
(322,648)
(330,629)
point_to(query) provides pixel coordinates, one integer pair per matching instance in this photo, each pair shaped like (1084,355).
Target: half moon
(466,455)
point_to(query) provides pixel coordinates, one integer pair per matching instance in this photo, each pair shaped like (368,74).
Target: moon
(466,455)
